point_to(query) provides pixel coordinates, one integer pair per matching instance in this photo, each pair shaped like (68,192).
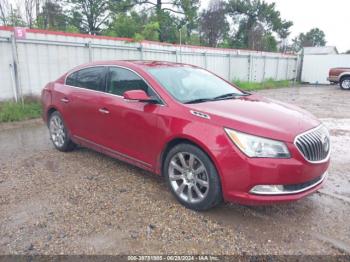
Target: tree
(190,19)
(168,25)
(10,15)
(213,25)
(268,43)
(149,32)
(315,37)
(163,14)
(137,25)
(89,15)
(4,10)
(256,20)
(52,17)
(126,25)
(156,18)
(30,14)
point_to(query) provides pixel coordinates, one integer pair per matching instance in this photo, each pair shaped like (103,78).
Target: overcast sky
(333,17)
(330,16)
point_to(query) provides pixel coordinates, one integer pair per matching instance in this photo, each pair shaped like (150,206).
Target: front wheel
(345,83)
(192,177)
(59,134)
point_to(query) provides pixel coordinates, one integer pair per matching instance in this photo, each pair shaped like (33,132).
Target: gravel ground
(86,203)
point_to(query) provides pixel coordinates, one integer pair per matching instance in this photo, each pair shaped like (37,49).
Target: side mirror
(139,95)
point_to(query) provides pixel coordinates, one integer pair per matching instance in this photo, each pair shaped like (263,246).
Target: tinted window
(121,80)
(91,78)
(72,79)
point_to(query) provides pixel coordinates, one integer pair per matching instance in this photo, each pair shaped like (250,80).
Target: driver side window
(121,80)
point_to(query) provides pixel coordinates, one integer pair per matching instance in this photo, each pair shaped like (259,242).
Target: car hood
(260,116)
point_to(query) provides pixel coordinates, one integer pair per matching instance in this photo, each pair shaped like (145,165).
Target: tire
(345,83)
(192,177)
(59,134)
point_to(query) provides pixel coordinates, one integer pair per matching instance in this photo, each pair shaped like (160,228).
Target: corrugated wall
(43,56)
(316,67)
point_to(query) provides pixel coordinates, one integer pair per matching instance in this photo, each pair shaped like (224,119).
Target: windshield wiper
(199,100)
(229,96)
(220,97)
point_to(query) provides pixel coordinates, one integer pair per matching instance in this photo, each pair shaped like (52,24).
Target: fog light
(267,189)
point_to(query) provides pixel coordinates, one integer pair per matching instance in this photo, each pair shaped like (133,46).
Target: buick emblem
(325,142)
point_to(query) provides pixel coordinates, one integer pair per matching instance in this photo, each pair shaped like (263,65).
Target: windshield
(189,84)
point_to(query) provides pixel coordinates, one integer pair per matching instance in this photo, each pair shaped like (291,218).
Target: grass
(11,111)
(267,84)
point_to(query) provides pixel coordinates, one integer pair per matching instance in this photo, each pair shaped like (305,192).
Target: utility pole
(180,33)
(180,44)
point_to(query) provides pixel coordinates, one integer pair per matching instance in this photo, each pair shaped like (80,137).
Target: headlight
(255,146)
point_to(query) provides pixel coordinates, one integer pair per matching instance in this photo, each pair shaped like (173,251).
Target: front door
(130,127)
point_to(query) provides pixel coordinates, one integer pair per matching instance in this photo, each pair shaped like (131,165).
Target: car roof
(138,63)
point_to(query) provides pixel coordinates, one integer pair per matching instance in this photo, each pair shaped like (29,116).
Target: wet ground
(87,203)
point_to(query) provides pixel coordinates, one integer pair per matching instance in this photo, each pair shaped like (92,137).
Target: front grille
(297,187)
(314,145)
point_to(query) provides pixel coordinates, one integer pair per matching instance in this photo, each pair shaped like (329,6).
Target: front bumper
(269,190)
(240,175)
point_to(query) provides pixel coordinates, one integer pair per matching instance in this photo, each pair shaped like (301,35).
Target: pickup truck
(340,75)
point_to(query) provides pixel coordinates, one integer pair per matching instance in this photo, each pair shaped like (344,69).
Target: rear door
(88,86)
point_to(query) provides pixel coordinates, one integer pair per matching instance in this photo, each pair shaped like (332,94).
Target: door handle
(64,100)
(103,111)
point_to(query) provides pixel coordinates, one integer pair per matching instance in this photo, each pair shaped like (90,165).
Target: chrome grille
(314,145)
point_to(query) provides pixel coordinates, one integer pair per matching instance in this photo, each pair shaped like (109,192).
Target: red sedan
(209,139)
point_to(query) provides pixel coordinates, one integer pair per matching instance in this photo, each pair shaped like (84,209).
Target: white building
(321,50)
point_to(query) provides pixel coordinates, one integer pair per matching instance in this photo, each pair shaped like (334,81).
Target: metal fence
(28,63)
(316,67)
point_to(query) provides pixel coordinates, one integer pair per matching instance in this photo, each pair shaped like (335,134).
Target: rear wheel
(192,177)
(59,134)
(345,83)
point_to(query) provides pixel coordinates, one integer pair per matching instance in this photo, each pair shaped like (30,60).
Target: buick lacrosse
(209,139)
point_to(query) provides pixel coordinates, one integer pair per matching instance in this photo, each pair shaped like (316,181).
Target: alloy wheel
(188,177)
(346,84)
(57,131)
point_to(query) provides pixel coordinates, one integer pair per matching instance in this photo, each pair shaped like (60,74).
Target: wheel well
(49,112)
(174,143)
(343,76)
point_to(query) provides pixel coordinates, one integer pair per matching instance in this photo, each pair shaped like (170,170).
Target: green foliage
(138,37)
(151,31)
(90,16)
(267,84)
(268,43)
(257,20)
(72,29)
(193,39)
(190,18)
(134,25)
(315,37)
(11,111)
(214,26)
(124,25)
(14,18)
(167,26)
(52,17)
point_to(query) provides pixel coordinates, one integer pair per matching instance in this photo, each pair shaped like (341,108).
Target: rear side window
(121,80)
(72,79)
(90,78)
